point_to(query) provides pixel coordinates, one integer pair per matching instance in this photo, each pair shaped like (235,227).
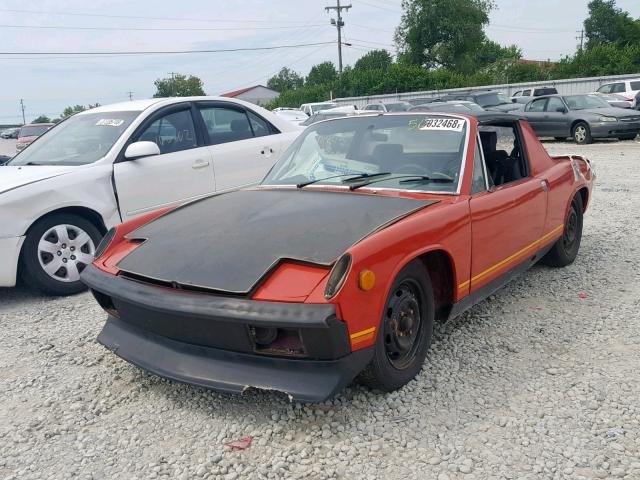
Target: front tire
(404,333)
(565,250)
(55,252)
(582,133)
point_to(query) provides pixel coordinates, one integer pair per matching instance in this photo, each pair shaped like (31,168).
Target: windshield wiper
(353,177)
(405,179)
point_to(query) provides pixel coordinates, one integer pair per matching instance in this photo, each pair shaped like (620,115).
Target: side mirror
(561,109)
(514,100)
(141,149)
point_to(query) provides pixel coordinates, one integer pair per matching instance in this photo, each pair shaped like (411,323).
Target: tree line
(442,44)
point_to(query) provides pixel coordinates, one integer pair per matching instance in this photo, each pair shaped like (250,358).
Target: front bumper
(9,255)
(206,340)
(613,129)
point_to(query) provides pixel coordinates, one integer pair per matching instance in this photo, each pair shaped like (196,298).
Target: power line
(379,7)
(140,17)
(339,24)
(172,52)
(144,29)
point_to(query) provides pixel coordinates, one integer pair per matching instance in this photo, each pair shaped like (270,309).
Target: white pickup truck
(110,164)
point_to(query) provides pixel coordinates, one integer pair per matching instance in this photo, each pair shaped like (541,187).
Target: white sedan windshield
(79,140)
(410,152)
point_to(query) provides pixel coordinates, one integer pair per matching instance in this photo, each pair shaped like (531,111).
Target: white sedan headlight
(604,118)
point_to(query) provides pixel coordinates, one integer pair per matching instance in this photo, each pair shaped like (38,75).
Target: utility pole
(130,95)
(173,82)
(339,24)
(24,122)
(581,38)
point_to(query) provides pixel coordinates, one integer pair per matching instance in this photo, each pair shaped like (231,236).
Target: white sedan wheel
(64,251)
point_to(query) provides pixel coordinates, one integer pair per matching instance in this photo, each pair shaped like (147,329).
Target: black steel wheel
(402,324)
(405,331)
(565,250)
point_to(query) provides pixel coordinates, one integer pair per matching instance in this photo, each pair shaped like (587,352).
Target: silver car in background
(582,117)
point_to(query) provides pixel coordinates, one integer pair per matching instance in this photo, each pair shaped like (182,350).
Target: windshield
(492,99)
(411,152)
(322,106)
(580,102)
(79,140)
(318,117)
(33,131)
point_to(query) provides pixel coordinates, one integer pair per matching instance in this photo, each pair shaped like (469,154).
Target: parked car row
(10,133)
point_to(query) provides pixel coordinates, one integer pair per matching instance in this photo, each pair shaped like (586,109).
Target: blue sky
(546,30)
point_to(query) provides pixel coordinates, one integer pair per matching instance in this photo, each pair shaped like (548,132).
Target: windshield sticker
(109,122)
(450,124)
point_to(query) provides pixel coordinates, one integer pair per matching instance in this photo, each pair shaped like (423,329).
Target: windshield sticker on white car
(109,122)
(450,124)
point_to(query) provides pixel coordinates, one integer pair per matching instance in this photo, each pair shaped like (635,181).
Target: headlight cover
(604,118)
(104,243)
(337,276)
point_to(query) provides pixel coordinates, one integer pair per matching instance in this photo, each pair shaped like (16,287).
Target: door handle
(200,164)
(544,185)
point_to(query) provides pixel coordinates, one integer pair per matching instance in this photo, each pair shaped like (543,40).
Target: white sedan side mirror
(141,149)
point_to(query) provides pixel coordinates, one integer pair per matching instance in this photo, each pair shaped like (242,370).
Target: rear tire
(582,133)
(565,250)
(404,333)
(628,137)
(62,240)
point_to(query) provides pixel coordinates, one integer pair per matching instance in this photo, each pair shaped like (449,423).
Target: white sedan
(110,164)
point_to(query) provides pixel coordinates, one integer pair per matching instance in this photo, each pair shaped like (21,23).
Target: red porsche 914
(365,233)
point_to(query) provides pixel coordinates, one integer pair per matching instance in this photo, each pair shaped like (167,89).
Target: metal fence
(564,87)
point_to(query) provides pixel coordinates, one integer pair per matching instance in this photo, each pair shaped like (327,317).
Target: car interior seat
(387,156)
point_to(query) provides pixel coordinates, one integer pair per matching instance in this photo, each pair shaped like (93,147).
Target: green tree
(607,23)
(67,112)
(285,79)
(374,60)
(322,74)
(442,33)
(42,119)
(492,52)
(178,86)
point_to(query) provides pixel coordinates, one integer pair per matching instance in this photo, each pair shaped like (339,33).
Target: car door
(556,118)
(183,171)
(534,113)
(242,144)
(507,220)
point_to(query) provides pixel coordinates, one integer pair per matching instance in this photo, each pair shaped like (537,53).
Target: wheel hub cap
(64,251)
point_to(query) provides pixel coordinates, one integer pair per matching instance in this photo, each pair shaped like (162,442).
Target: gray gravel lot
(541,381)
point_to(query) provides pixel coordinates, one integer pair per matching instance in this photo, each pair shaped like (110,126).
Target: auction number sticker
(450,124)
(109,122)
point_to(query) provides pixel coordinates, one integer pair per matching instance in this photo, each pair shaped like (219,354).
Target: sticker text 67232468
(440,123)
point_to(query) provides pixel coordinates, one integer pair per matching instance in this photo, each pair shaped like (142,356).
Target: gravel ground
(538,382)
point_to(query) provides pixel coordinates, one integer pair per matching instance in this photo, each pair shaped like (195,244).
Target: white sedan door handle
(200,164)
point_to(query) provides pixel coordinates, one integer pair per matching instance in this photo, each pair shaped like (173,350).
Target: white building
(258,94)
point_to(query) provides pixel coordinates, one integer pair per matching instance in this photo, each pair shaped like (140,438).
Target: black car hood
(229,242)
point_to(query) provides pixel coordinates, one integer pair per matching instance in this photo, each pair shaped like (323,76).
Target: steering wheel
(412,168)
